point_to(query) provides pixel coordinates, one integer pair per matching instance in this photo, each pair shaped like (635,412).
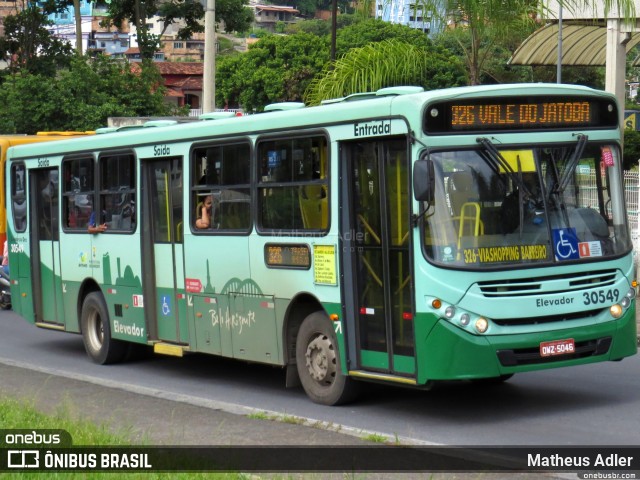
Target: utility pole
(334,28)
(209,74)
(559,64)
(78,20)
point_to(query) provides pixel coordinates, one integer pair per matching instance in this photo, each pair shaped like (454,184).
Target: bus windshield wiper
(561,181)
(572,163)
(497,163)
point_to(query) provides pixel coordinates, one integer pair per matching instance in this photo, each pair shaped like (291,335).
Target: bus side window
(117,192)
(78,192)
(293,188)
(223,180)
(19,197)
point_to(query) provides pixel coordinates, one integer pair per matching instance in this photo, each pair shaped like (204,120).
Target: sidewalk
(157,421)
(153,421)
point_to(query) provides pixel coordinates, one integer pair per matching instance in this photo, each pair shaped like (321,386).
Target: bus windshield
(495,206)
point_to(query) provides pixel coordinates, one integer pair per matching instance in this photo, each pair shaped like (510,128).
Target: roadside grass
(375,438)
(16,414)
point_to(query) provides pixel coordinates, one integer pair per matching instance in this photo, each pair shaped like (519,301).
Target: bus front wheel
(318,362)
(96,332)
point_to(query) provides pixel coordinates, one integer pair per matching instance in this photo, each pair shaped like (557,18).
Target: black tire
(96,332)
(318,363)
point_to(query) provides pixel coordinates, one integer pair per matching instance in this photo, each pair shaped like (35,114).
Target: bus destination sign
(287,255)
(517,114)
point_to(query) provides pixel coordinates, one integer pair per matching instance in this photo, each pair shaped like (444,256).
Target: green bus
(398,236)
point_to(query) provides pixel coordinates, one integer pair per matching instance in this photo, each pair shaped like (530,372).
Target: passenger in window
(203,214)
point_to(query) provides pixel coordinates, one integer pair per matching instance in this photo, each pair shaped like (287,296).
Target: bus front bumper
(454,354)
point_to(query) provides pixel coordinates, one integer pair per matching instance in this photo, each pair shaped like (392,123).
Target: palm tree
(486,24)
(387,63)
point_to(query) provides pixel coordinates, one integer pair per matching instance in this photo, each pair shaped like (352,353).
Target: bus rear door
(378,287)
(162,247)
(45,247)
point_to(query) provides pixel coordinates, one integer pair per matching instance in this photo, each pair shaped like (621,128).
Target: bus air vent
(216,115)
(400,90)
(547,285)
(561,317)
(159,123)
(274,107)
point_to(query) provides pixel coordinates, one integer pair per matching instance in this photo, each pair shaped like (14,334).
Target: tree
(234,13)
(275,69)
(489,22)
(278,68)
(368,31)
(321,27)
(482,24)
(81,97)
(385,64)
(27,45)
(169,12)
(631,154)
(308,7)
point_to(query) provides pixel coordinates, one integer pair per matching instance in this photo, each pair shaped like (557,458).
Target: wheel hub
(96,332)
(321,359)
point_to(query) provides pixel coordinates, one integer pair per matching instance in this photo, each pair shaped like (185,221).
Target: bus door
(162,247)
(45,246)
(378,287)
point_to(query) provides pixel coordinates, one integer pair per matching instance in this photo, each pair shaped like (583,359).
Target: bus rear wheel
(318,362)
(96,332)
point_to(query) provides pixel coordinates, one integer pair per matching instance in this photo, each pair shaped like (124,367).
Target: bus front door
(45,250)
(162,247)
(378,287)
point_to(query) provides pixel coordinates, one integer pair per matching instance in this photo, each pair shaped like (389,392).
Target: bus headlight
(465,318)
(626,300)
(616,310)
(482,324)
(450,312)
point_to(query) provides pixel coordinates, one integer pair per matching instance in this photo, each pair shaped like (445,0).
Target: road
(588,405)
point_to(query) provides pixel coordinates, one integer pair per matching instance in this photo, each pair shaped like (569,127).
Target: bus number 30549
(601,296)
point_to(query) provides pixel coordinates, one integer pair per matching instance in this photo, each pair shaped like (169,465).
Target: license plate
(557,347)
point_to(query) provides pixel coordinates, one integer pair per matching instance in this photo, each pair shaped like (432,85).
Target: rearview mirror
(423,180)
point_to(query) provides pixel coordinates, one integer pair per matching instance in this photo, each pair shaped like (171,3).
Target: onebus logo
(34,437)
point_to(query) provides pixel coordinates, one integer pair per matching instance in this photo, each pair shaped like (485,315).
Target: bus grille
(547,285)
(560,317)
(531,356)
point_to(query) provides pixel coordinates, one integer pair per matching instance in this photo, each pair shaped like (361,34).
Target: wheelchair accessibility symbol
(166,305)
(565,243)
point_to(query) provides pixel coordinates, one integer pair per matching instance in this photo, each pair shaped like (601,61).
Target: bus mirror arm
(415,218)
